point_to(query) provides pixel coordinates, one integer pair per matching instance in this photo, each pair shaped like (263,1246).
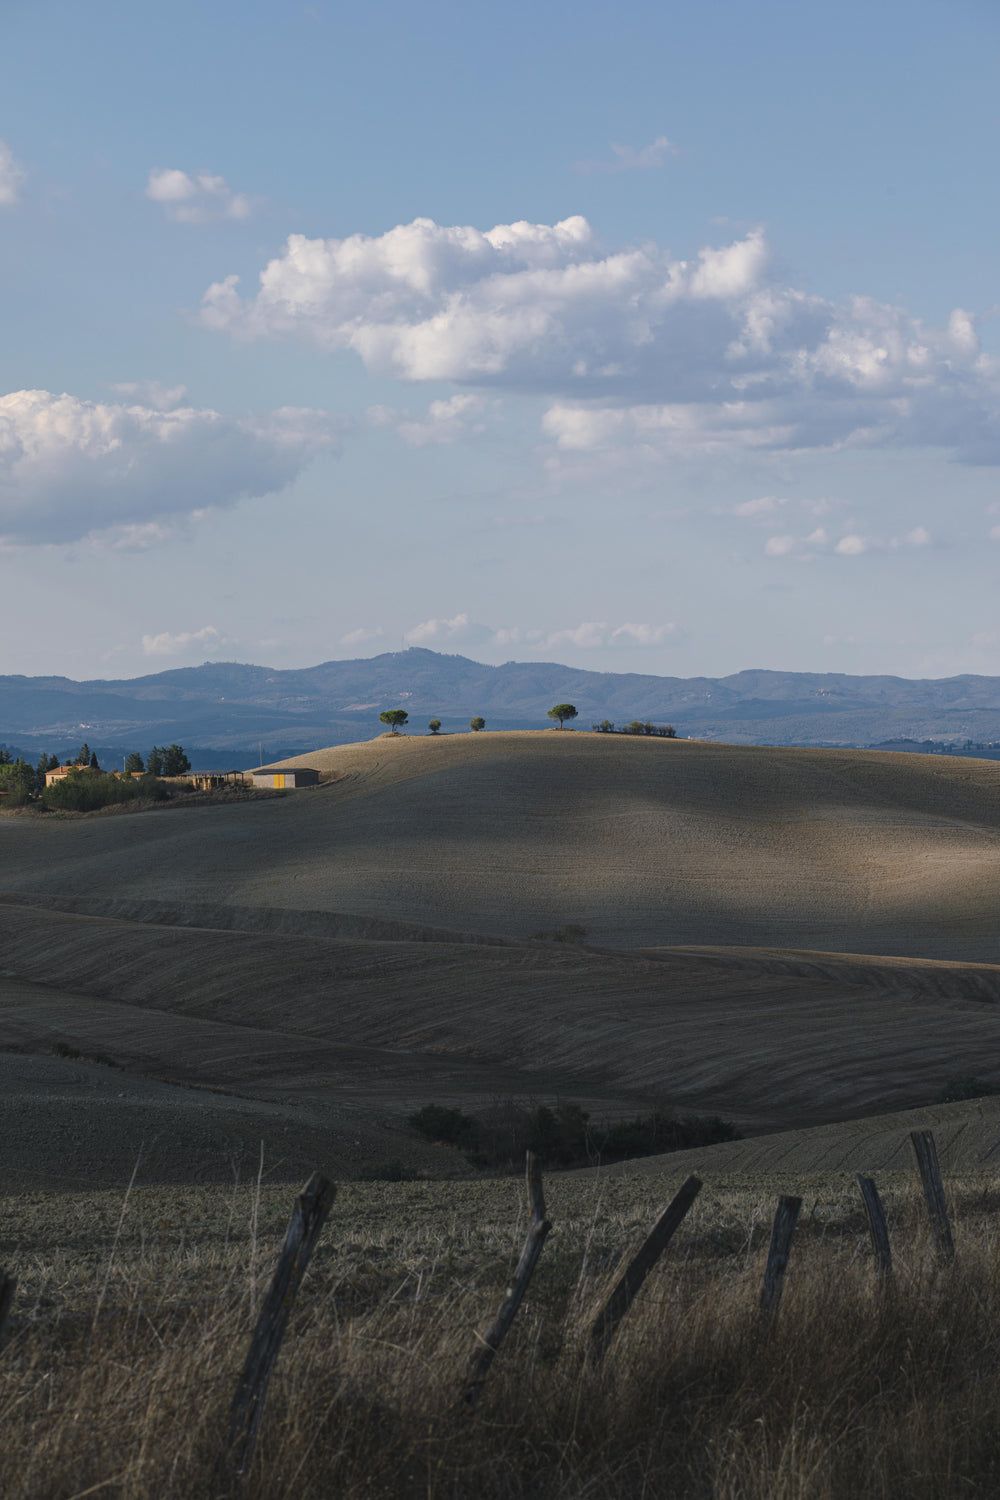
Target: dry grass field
(134,1314)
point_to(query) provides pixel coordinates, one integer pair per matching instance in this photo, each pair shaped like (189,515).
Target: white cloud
(634,347)
(918,537)
(588,635)
(11,177)
(458,631)
(591,635)
(360,636)
(791,546)
(852,544)
(752,509)
(645,635)
(152,393)
(166,644)
(70,467)
(629,159)
(446,422)
(196,199)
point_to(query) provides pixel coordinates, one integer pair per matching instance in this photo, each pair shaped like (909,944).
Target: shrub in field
(564,1136)
(650,1135)
(86,791)
(637,726)
(435,1122)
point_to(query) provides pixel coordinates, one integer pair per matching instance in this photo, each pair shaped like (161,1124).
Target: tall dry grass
(856,1394)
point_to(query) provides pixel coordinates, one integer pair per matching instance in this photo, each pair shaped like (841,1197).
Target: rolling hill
(787,938)
(640,841)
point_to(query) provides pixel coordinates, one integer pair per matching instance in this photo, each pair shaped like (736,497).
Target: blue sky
(646,337)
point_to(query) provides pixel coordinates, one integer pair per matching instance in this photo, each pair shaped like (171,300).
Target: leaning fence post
(925,1151)
(877,1227)
(626,1288)
(311,1208)
(539,1227)
(782,1232)
(8,1286)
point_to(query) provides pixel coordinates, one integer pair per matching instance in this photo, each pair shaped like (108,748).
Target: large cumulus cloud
(632,345)
(69,467)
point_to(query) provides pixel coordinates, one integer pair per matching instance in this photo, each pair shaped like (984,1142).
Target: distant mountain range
(226,712)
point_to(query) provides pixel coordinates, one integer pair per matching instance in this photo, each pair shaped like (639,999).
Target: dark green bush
(387,1171)
(86,791)
(449,1126)
(563,1136)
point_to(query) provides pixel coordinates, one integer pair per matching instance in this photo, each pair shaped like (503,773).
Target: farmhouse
(60,772)
(289,777)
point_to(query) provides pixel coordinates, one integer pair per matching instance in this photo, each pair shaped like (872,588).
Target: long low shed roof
(282,770)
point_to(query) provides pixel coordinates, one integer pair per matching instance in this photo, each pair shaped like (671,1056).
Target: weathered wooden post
(782,1233)
(925,1151)
(311,1208)
(480,1361)
(626,1288)
(8,1286)
(877,1226)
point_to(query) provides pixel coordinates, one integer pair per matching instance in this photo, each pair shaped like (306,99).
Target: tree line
(396,718)
(86,786)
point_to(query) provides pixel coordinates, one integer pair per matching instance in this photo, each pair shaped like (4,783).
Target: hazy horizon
(305,666)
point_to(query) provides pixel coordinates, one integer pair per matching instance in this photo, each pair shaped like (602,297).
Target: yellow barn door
(279,778)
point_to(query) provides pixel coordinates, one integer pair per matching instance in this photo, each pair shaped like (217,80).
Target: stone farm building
(288,777)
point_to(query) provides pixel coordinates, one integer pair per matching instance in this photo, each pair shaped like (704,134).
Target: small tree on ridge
(561,712)
(394,717)
(477,724)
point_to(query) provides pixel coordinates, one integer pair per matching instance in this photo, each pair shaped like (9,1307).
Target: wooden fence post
(8,1286)
(311,1208)
(480,1361)
(782,1233)
(925,1151)
(624,1292)
(877,1227)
